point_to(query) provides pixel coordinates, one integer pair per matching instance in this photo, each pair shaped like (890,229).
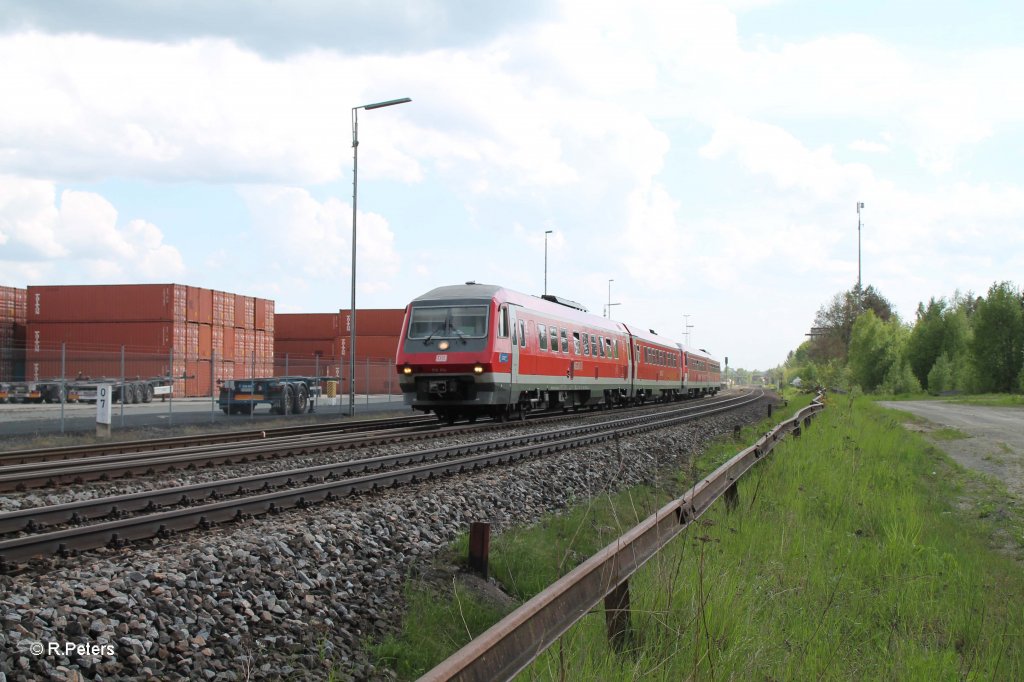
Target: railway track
(70,452)
(161,513)
(43,472)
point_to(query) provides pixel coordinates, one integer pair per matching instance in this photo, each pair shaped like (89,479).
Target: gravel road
(996,442)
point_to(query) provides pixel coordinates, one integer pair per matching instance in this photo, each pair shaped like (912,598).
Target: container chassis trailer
(84,390)
(285,395)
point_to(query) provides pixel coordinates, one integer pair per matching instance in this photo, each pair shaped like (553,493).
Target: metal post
(213,386)
(860,205)
(170,402)
(63,381)
(286,364)
(479,547)
(252,374)
(122,386)
(367,389)
(616,613)
(546,233)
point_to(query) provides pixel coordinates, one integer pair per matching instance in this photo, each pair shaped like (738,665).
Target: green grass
(858,551)
(948,433)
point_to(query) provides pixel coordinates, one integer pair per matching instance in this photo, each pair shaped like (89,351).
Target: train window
(554,339)
(542,336)
(586,344)
(503,322)
(615,347)
(576,343)
(512,327)
(593,345)
(565,341)
(522,333)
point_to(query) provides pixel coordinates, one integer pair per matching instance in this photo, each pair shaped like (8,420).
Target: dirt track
(996,443)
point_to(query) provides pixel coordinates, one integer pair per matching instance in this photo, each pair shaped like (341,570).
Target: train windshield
(462,321)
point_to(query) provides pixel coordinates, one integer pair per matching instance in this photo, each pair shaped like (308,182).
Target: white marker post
(103,393)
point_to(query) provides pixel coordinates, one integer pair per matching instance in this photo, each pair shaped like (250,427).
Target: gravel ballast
(296,595)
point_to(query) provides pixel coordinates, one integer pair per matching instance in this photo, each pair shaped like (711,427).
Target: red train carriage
(476,349)
(702,374)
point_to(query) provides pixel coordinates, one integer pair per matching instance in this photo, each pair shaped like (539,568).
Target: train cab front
(444,358)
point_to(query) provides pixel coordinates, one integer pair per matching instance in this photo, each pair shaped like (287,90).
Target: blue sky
(706,156)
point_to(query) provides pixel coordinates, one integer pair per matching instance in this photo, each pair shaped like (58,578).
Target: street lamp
(686,328)
(608,310)
(355,185)
(546,233)
(860,205)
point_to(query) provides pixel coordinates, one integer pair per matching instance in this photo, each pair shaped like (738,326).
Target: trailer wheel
(301,398)
(284,406)
(147,393)
(138,392)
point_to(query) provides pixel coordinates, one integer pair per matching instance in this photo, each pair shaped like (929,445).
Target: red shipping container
(198,379)
(205,342)
(229,343)
(262,313)
(245,312)
(329,348)
(205,306)
(192,341)
(376,347)
(192,304)
(375,321)
(302,326)
(223,309)
(108,303)
(145,337)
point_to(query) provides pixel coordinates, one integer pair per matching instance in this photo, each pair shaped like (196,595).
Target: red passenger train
(478,349)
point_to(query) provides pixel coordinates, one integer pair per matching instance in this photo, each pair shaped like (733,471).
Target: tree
(998,338)
(835,321)
(875,346)
(925,343)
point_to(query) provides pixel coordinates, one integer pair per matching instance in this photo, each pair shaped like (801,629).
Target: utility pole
(860,205)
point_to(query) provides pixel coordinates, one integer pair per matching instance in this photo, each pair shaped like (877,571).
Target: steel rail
(514,642)
(33,519)
(160,524)
(120,465)
(66,452)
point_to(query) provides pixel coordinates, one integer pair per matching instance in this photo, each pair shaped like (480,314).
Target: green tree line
(970,344)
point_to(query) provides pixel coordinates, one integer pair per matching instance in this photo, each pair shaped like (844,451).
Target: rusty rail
(519,638)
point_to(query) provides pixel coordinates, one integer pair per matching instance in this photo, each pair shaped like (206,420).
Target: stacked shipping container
(318,343)
(12,333)
(199,328)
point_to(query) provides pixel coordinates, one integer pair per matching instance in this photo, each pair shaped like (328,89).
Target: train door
(518,341)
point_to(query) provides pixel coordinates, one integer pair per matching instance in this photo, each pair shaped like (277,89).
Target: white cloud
(79,236)
(310,242)
(870,147)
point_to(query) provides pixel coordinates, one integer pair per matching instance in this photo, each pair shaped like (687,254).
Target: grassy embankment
(858,552)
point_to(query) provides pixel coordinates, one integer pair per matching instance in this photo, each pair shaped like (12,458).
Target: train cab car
(482,350)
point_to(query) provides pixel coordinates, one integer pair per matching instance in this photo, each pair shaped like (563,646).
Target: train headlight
(443,345)
(478,369)
(407,370)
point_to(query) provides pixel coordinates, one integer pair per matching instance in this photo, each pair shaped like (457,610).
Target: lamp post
(546,233)
(860,205)
(608,309)
(355,185)
(686,328)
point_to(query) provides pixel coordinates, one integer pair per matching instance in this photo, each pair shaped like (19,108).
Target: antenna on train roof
(470,282)
(653,332)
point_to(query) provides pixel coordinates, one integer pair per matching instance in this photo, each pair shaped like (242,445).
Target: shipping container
(198,379)
(306,326)
(146,337)
(374,321)
(108,303)
(325,347)
(205,306)
(376,347)
(245,312)
(223,309)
